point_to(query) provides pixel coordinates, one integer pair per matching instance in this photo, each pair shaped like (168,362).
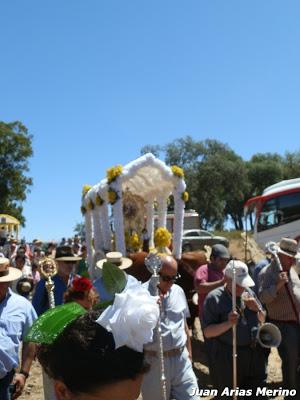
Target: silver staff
(154,264)
(234,344)
(48,270)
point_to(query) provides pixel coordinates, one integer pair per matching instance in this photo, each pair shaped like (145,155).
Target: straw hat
(116,258)
(7,273)
(289,247)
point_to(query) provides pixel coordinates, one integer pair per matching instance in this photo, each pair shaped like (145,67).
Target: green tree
(15,151)
(264,170)
(149,148)
(216,179)
(79,229)
(291,165)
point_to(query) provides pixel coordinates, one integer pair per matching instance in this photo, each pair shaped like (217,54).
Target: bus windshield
(277,212)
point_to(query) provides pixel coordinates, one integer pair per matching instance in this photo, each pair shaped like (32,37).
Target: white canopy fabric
(146,177)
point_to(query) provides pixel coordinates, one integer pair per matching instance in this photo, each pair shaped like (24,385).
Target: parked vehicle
(196,239)
(277,212)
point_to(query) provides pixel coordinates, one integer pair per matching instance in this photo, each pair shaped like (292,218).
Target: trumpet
(268,335)
(48,270)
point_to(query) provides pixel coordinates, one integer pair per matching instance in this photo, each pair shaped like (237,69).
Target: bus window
(289,207)
(268,216)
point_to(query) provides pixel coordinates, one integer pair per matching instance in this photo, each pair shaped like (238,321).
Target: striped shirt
(278,303)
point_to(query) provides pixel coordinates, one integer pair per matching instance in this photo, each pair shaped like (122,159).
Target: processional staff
(234,343)
(154,264)
(48,270)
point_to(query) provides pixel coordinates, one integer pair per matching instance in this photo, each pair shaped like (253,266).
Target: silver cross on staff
(153,263)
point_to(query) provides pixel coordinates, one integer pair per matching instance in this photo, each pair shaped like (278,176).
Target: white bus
(277,212)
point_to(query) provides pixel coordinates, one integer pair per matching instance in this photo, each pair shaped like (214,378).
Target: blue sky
(95,80)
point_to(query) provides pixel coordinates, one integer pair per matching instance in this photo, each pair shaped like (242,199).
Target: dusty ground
(33,390)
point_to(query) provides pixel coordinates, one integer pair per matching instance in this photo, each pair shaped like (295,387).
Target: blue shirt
(173,316)
(40,300)
(16,317)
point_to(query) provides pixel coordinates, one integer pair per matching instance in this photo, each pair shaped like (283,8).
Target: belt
(167,353)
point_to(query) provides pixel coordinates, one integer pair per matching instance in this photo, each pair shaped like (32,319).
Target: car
(196,239)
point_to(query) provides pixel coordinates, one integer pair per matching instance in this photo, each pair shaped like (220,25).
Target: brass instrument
(268,335)
(154,264)
(48,270)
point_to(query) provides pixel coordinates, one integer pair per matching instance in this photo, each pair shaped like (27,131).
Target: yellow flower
(135,242)
(90,205)
(85,189)
(185,196)
(112,196)
(162,237)
(113,172)
(99,201)
(177,171)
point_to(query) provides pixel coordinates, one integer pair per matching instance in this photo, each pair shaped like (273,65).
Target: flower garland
(134,242)
(113,196)
(85,189)
(113,173)
(90,205)
(177,171)
(185,196)
(98,200)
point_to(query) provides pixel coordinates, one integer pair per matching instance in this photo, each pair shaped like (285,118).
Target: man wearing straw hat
(279,289)
(16,317)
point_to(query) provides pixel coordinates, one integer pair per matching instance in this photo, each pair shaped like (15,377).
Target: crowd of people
(114,367)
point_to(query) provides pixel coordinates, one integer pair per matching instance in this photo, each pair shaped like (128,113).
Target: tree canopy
(15,151)
(219,181)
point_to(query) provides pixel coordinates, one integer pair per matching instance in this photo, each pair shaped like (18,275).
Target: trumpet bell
(269,335)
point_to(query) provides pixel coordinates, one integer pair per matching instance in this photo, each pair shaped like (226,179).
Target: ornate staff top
(153,263)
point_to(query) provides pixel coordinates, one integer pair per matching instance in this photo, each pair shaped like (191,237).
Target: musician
(279,290)
(181,380)
(218,320)
(65,261)
(16,317)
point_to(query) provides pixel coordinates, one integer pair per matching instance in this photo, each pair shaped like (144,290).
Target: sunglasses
(168,278)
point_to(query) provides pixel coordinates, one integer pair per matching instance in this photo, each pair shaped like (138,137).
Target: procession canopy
(10,225)
(125,205)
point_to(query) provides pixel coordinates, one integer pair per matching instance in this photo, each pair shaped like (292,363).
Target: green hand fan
(50,324)
(114,279)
